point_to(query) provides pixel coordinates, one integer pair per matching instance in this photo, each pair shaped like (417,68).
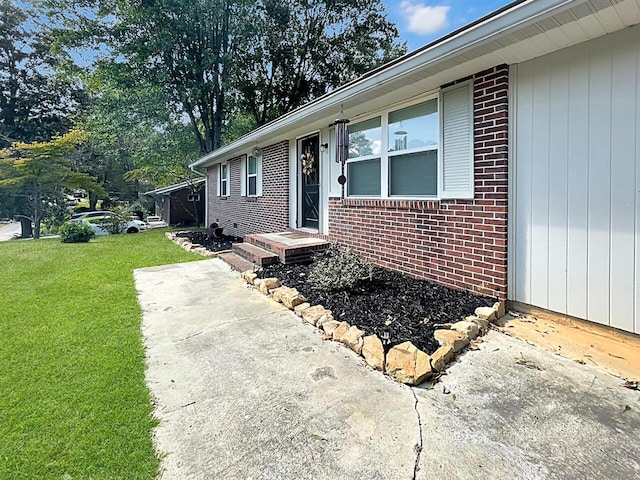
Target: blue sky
(422,21)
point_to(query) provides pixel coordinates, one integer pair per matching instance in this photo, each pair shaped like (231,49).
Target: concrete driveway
(9,230)
(244,390)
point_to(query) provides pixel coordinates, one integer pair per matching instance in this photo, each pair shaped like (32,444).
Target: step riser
(259,258)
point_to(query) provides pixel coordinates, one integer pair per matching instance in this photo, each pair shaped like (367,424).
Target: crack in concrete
(418,446)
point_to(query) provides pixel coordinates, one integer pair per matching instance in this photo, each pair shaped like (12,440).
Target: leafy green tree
(36,103)
(40,172)
(300,50)
(215,58)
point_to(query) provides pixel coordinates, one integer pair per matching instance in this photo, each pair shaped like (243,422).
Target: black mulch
(395,307)
(211,241)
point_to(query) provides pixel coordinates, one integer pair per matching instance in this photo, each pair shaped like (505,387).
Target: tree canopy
(36,101)
(215,59)
(39,173)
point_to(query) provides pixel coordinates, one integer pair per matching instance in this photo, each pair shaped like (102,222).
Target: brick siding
(264,214)
(458,243)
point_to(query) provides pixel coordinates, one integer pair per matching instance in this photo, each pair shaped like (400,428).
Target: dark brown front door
(309,168)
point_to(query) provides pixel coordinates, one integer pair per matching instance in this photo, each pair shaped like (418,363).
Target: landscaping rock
(373,352)
(488,313)
(500,309)
(301,308)
(330,327)
(276,293)
(257,282)
(291,298)
(470,329)
(313,314)
(406,364)
(441,357)
(482,323)
(455,340)
(249,276)
(327,317)
(340,331)
(269,284)
(352,338)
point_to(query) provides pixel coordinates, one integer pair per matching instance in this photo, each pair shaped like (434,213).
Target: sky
(422,21)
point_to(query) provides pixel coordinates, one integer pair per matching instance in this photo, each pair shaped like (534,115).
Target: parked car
(94,220)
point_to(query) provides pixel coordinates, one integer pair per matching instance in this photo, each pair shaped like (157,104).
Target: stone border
(192,247)
(404,362)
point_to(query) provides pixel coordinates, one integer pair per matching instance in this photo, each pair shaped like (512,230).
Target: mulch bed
(210,241)
(393,306)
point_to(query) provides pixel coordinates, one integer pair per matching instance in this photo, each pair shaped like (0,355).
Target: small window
(193,197)
(252,176)
(224,180)
(251,171)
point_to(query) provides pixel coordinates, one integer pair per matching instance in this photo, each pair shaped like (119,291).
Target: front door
(309,174)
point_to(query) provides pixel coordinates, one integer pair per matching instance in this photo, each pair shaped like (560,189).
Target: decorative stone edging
(404,362)
(191,247)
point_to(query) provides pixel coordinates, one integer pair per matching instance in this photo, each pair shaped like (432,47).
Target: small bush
(75,232)
(338,269)
(116,221)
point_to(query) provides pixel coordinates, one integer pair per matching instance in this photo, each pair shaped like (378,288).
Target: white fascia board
(329,105)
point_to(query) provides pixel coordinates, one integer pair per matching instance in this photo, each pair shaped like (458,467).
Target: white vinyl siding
(574,196)
(457,145)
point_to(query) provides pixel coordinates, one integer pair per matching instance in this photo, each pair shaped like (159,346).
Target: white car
(93,219)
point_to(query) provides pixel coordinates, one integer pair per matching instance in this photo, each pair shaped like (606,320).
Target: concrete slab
(245,390)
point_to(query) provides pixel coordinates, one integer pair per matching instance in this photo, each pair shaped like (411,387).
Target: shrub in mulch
(396,307)
(215,243)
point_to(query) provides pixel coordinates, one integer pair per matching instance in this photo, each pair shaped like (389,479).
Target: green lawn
(73,399)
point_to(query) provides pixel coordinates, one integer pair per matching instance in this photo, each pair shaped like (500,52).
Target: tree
(40,172)
(215,58)
(35,102)
(301,49)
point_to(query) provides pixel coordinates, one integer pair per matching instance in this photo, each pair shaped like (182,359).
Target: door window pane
(414,127)
(414,174)
(365,138)
(364,177)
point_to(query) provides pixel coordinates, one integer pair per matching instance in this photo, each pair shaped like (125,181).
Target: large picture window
(399,153)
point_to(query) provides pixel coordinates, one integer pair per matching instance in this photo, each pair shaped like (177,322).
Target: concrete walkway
(244,390)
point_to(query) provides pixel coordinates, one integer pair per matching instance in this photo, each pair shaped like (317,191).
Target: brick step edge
(236,262)
(255,254)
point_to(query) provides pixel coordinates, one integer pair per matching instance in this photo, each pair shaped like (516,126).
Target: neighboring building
(182,203)
(501,159)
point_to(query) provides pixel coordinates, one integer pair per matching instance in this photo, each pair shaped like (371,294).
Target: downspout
(206,193)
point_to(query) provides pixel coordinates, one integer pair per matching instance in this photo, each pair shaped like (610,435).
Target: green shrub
(338,269)
(75,232)
(116,221)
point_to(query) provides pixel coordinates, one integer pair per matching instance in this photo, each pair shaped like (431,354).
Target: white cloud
(423,19)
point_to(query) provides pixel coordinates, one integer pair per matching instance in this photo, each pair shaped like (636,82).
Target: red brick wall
(459,243)
(264,214)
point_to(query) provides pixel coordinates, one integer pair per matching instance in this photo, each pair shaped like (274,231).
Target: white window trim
(193,197)
(222,180)
(385,154)
(244,184)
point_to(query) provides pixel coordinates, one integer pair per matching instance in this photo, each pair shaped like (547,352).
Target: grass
(73,398)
